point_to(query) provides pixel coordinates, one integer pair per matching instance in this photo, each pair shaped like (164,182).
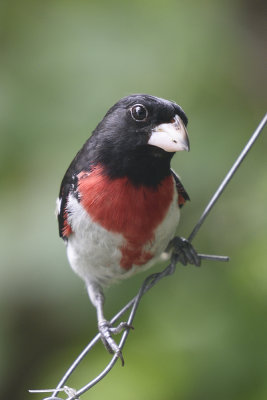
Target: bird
(119,200)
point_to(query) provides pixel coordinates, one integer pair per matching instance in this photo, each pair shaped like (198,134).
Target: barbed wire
(148,283)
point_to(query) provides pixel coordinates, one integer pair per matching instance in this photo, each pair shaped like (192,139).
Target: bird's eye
(139,112)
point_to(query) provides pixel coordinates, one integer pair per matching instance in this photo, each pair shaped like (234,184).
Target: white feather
(94,253)
(58,206)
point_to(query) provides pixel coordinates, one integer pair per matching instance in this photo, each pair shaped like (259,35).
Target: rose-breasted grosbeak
(118,206)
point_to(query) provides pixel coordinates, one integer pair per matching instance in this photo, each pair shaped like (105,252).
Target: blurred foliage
(201,334)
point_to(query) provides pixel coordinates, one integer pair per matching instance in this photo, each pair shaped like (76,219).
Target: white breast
(94,253)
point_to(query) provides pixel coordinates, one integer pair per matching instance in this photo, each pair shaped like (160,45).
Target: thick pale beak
(170,137)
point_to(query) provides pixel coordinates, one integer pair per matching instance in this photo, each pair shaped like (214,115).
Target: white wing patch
(58,206)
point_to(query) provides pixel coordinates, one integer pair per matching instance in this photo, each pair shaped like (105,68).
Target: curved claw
(183,251)
(106,330)
(119,355)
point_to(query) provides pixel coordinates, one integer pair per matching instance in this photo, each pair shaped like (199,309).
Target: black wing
(82,162)
(182,193)
(68,185)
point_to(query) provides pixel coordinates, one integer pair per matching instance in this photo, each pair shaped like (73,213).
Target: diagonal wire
(152,279)
(228,176)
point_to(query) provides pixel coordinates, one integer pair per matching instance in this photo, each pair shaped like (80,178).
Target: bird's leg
(183,251)
(105,328)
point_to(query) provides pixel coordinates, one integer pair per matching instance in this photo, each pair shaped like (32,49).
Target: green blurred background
(201,334)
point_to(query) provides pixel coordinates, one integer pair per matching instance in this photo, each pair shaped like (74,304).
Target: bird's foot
(183,251)
(106,330)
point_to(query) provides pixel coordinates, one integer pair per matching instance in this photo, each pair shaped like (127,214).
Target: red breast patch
(133,211)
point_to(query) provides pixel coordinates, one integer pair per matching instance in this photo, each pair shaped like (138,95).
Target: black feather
(119,145)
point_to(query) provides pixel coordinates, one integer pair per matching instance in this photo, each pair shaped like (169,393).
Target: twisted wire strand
(149,282)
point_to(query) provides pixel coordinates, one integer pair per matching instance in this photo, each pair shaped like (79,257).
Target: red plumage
(121,207)
(119,200)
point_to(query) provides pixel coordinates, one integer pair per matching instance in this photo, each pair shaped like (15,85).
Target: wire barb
(151,281)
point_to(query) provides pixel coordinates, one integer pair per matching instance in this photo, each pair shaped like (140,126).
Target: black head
(138,137)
